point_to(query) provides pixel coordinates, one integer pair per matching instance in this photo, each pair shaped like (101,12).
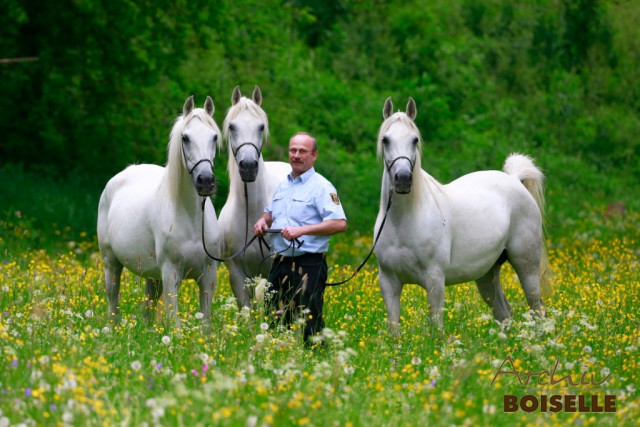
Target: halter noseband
(390,165)
(235,150)
(184,156)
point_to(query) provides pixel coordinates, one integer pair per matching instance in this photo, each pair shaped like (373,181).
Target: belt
(307,256)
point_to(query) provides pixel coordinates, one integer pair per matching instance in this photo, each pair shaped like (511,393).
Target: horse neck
(179,191)
(423,194)
(257,196)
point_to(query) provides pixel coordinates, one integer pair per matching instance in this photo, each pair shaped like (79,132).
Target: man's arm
(324,228)
(263,224)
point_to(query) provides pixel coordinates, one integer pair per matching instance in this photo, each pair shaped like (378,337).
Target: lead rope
(295,241)
(384,219)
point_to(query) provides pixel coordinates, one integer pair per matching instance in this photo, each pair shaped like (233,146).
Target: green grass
(63,363)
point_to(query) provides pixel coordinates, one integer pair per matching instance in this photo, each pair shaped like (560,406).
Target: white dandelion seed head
(166,340)
(136,365)
(264,326)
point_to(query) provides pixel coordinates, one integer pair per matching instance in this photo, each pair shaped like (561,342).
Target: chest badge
(334,198)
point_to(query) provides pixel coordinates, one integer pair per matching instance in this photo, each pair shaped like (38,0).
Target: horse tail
(522,167)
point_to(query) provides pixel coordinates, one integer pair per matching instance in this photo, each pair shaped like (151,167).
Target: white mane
(175,167)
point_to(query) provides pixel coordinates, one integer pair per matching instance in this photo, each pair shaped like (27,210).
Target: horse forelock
(404,120)
(245,104)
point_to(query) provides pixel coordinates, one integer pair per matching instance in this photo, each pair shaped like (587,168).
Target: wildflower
(199,315)
(415,361)
(166,340)
(252,421)
(587,349)
(260,338)
(88,313)
(264,326)
(136,365)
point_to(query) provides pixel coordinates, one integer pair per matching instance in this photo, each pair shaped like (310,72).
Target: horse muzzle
(402,182)
(205,183)
(248,170)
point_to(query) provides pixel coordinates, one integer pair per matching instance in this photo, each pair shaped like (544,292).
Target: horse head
(399,145)
(199,137)
(245,127)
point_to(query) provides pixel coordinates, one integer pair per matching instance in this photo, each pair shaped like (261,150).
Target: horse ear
(208,106)
(188,106)
(387,110)
(412,111)
(236,95)
(257,95)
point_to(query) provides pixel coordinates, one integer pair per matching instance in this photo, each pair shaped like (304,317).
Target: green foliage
(554,79)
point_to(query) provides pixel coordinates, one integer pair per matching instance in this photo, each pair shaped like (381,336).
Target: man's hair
(313,139)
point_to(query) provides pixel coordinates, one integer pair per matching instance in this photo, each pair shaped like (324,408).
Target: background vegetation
(557,79)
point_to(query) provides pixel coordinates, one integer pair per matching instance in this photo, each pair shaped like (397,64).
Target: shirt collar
(304,177)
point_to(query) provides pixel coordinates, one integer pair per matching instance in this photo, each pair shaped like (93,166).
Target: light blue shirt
(307,199)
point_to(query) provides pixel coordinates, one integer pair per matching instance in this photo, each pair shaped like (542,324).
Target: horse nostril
(205,180)
(248,164)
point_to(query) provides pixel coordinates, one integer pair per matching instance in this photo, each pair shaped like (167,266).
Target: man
(307,209)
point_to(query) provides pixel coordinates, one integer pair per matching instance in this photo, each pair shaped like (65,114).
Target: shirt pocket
(302,209)
(278,206)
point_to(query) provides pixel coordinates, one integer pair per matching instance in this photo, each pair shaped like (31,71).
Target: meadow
(62,363)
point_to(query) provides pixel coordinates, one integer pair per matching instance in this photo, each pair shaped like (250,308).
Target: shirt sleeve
(329,204)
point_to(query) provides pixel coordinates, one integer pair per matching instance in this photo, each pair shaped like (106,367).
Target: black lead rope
(297,242)
(375,241)
(242,250)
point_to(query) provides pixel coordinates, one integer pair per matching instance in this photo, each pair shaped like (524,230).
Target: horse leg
(527,265)
(435,297)
(153,291)
(207,287)
(391,288)
(171,279)
(491,292)
(112,273)
(238,286)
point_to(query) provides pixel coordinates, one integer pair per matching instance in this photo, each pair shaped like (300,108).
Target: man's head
(303,152)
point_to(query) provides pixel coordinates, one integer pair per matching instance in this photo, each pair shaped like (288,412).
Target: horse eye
(385,140)
(185,139)
(232,127)
(261,127)
(415,140)
(215,137)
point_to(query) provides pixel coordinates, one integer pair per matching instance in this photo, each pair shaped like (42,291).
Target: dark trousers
(297,287)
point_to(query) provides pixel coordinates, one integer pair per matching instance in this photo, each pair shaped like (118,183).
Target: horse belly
(128,220)
(480,226)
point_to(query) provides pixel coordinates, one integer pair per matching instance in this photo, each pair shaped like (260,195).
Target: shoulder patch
(334,198)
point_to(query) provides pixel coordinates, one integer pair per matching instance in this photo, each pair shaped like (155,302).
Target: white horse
(150,217)
(245,128)
(437,235)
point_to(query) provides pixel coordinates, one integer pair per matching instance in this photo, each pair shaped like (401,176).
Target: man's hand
(291,233)
(262,225)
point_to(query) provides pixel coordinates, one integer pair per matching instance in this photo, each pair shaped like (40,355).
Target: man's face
(301,154)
